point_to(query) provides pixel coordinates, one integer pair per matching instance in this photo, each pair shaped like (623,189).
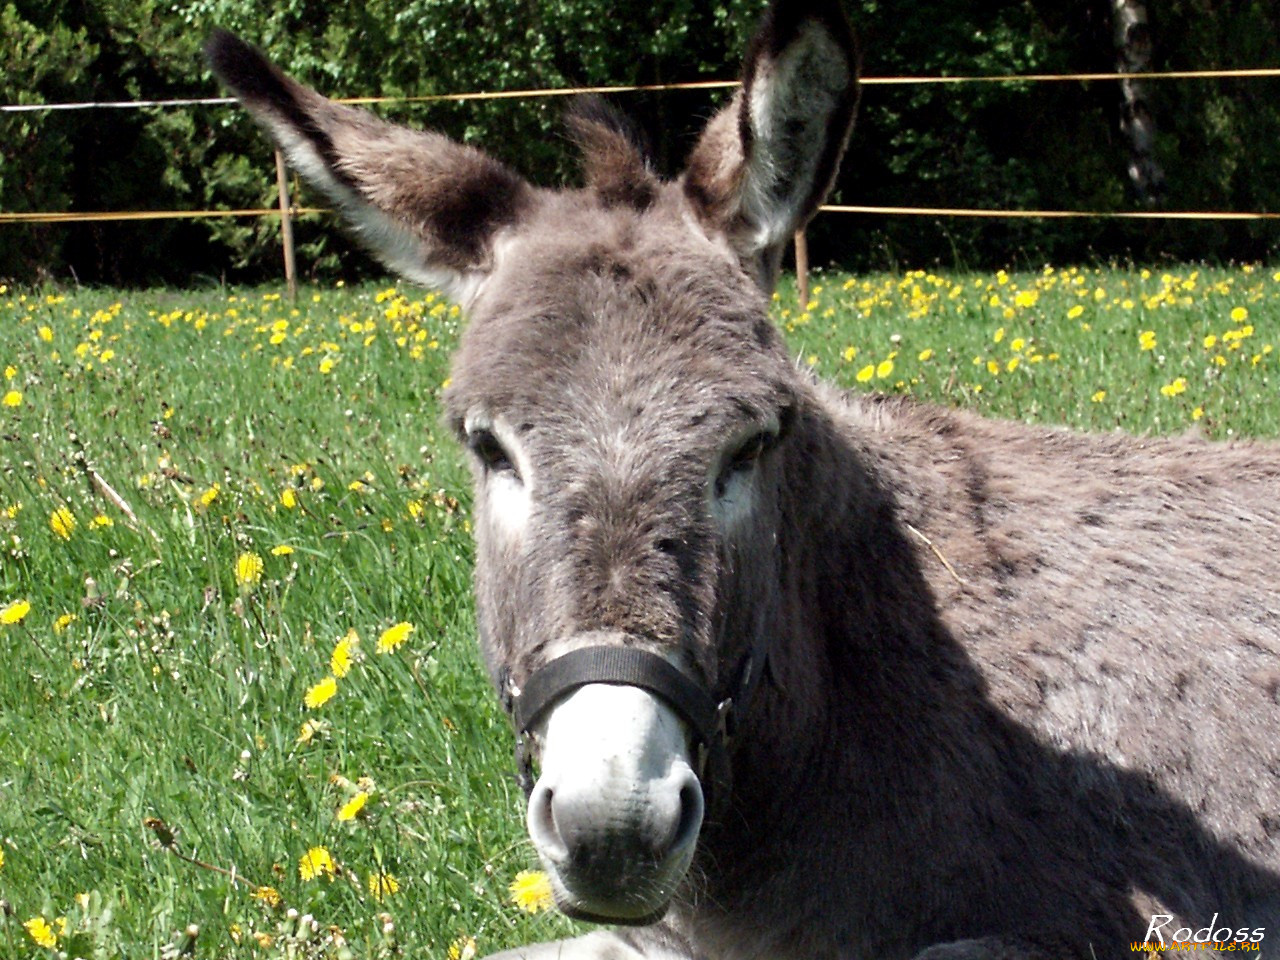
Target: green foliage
(1020,145)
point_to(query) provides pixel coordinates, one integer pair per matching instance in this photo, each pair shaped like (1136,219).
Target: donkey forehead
(597,312)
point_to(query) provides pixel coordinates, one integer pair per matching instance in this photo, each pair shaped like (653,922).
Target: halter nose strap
(707,718)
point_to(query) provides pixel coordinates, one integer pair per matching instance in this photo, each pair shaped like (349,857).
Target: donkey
(805,674)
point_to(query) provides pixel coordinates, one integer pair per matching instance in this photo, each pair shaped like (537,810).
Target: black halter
(712,719)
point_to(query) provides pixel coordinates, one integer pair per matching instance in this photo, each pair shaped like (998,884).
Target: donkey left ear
(767,161)
(429,208)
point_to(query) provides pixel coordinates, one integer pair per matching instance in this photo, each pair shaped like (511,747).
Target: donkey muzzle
(616,811)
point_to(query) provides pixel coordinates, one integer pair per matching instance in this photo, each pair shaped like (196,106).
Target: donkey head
(623,396)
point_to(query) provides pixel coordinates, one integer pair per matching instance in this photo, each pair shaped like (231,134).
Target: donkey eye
(743,459)
(491,452)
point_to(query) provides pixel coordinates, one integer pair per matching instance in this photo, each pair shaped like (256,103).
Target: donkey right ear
(767,160)
(429,208)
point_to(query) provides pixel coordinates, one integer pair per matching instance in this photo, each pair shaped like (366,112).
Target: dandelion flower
(1197,413)
(351,809)
(866,373)
(281,551)
(1,859)
(310,729)
(268,895)
(1173,389)
(341,659)
(288,499)
(13,398)
(321,693)
(464,948)
(884,368)
(101,521)
(62,522)
(383,885)
(1240,314)
(531,891)
(40,931)
(1099,396)
(45,333)
(926,354)
(210,495)
(14,612)
(394,637)
(316,862)
(248,569)
(1147,340)
(1074,312)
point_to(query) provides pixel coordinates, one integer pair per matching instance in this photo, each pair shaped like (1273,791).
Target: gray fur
(1024,683)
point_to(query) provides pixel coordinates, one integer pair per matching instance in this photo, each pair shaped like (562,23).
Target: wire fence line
(533,93)
(287,210)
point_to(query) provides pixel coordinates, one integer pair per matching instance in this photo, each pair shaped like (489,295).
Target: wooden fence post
(802,269)
(286,228)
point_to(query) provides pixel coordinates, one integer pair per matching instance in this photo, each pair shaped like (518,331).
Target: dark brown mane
(615,153)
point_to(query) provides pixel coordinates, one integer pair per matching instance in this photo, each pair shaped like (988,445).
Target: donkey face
(621,393)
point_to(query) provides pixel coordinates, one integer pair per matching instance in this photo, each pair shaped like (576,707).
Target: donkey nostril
(691,810)
(543,829)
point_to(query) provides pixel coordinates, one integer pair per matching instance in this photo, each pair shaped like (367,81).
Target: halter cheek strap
(710,719)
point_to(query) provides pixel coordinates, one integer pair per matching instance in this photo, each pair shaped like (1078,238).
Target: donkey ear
(766,162)
(427,207)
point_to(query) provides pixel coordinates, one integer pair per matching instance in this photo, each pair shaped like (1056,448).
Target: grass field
(207,497)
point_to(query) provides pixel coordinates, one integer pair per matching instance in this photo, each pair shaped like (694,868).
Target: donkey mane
(616,157)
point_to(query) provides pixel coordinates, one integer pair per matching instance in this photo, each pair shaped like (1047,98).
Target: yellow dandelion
(382,885)
(315,863)
(64,621)
(925,355)
(394,636)
(1,859)
(1099,396)
(248,569)
(13,398)
(998,335)
(62,522)
(1240,314)
(531,891)
(1197,413)
(320,694)
(1173,389)
(1147,340)
(310,730)
(283,550)
(45,334)
(100,522)
(464,948)
(866,373)
(884,369)
(1210,342)
(38,929)
(343,654)
(14,611)
(1074,312)
(849,353)
(288,499)
(268,895)
(210,495)
(326,365)
(351,809)
(10,372)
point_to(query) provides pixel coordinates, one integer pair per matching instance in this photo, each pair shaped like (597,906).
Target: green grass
(151,774)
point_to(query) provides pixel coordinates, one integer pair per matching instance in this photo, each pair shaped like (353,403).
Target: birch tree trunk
(1132,37)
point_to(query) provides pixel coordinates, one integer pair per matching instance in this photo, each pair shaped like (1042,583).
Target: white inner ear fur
(805,83)
(507,497)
